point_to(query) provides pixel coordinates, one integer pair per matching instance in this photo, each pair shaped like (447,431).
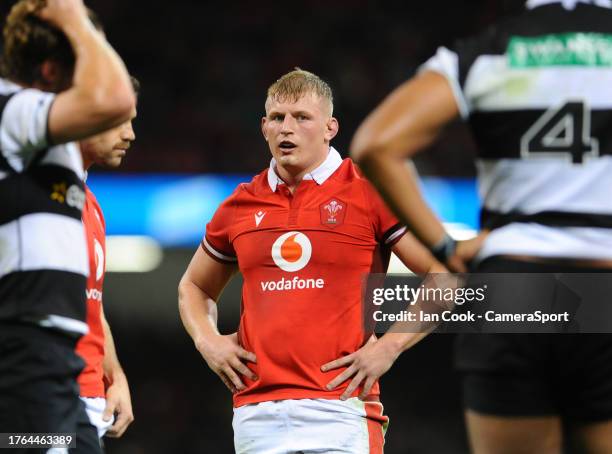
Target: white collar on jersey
(319,175)
(7,87)
(569,4)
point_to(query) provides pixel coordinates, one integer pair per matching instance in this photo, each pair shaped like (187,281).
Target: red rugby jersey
(302,257)
(91,345)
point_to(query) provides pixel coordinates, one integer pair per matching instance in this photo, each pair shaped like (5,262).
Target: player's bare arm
(404,124)
(118,398)
(199,289)
(415,256)
(101,96)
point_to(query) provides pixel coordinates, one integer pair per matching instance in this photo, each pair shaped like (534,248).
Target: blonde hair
(294,85)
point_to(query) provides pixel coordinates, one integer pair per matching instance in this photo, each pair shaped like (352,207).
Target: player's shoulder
(9,89)
(92,207)
(349,172)
(257,187)
(90,197)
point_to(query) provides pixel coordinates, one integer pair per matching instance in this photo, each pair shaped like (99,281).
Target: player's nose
(287,126)
(127,133)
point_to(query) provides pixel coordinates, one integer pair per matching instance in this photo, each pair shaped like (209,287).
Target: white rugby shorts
(308,426)
(95,408)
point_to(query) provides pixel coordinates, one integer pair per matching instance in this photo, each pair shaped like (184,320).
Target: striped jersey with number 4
(537,92)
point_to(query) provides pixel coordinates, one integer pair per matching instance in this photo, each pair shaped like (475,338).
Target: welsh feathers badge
(332,212)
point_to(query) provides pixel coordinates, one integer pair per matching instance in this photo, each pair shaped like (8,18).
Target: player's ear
(264,122)
(53,77)
(331,128)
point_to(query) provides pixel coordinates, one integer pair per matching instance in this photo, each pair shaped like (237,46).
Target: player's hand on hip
(227,359)
(465,252)
(366,365)
(119,402)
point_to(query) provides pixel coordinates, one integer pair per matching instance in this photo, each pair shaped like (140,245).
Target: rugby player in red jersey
(103,385)
(303,233)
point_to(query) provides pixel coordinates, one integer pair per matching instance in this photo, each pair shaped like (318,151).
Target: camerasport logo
(291,251)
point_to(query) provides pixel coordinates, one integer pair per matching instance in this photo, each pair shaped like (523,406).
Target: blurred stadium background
(204,69)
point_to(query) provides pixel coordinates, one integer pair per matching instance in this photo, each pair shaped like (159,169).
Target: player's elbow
(183,290)
(111,106)
(117,107)
(365,149)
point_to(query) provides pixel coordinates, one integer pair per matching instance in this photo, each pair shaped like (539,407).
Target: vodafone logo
(291,251)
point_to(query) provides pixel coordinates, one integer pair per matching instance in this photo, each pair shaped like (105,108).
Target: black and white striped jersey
(43,254)
(536,90)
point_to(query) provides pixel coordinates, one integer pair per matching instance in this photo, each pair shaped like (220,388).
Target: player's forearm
(394,180)
(100,79)
(398,342)
(415,256)
(198,313)
(110,365)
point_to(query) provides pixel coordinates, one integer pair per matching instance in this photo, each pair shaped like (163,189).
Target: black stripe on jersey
(231,261)
(4,99)
(42,292)
(4,165)
(390,232)
(543,20)
(498,134)
(490,219)
(42,189)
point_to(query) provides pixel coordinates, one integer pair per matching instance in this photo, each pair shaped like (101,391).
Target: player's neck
(87,163)
(292,176)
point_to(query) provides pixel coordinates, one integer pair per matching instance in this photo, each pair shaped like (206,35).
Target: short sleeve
(216,242)
(387,228)
(446,63)
(23,128)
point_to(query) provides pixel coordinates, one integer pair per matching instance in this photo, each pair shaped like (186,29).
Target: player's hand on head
(228,359)
(60,12)
(119,403)
(366,365)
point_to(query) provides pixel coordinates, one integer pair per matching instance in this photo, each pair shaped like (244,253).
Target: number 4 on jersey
(561,132)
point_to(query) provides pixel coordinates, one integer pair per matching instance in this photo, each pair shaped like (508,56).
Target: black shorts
(38,388)
(567,375)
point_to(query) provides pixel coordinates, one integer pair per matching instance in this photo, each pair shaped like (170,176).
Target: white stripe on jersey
(26,248)
(395,234)
(569,4)
(542,241)
(64,323)
(533,185)
(446,63)
(23,130)
(67,155)
(491,85)
(218,254)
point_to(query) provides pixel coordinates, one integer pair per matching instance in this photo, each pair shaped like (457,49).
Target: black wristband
(444,249)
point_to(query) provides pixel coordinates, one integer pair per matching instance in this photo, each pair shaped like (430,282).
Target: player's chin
(112,162)
(287,159)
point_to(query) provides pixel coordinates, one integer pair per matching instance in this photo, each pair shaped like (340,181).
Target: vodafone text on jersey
(291,252)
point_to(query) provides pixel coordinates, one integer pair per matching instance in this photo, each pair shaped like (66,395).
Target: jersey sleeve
(456,63)
(387,228)
(446,63)
(216,242)
(24,126)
